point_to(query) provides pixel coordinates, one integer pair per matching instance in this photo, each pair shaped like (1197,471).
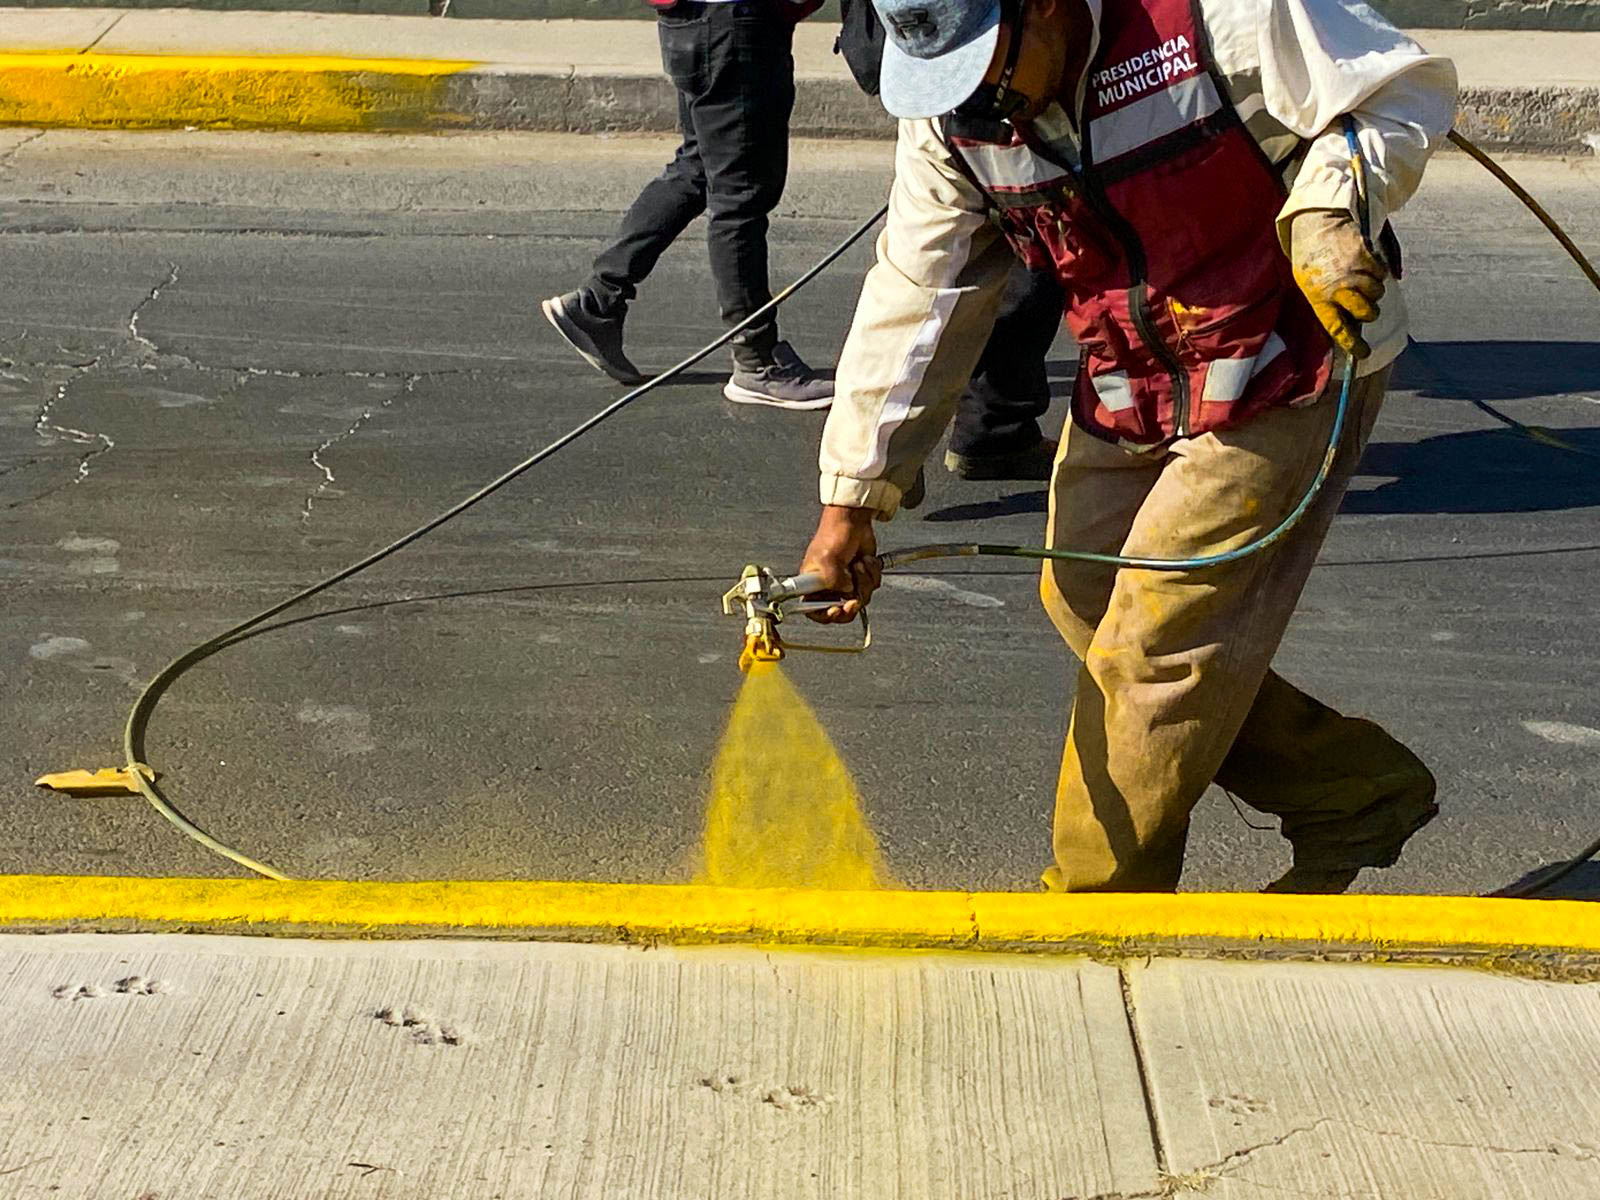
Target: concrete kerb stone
(1536,119)
(110,91)
(493,98)
(1542,937)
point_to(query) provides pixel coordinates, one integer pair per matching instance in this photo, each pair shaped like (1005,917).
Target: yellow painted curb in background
(1402,926)
(146,91)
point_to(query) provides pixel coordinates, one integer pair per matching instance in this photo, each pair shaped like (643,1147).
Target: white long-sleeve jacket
(1292,68)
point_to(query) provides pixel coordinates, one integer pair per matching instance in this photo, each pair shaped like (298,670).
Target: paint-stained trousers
(1174,689)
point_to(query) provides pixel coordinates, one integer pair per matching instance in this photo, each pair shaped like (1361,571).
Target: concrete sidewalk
(186,1066)
(661,1042)
(117,68)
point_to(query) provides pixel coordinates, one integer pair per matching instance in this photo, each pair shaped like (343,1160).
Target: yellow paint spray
(783,810)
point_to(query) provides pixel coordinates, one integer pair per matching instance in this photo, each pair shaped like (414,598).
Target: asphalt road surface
(234,363)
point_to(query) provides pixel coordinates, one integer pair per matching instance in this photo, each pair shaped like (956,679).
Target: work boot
(1034,462)
(595,335)
(1328,855)
(778,377)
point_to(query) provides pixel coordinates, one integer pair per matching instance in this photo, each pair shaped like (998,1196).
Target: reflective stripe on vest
(1115,389)
(1185,103)
(1012,168)
(1227,378)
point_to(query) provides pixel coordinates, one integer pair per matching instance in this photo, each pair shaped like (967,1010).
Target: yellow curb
(147,91)
(1399,926)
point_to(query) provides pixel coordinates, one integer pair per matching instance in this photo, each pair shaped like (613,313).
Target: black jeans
(734,71)
(1000,410)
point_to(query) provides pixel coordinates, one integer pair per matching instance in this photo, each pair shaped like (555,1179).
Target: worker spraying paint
(1171,596)
(1204,179)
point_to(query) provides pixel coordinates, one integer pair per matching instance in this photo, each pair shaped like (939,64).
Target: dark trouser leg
(674,198)
(1348,793)
(1174,690)
(1000,410)
(741,123)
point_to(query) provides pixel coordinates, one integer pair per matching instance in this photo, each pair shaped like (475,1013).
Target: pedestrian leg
(1000,410)
(669,202)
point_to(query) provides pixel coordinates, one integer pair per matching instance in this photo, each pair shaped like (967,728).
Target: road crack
(140,351)
(98,444)
(151,297)
(49,430)
(9,155)
(407,386)
(252,372)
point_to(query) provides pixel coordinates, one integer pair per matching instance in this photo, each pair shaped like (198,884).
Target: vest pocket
(1204,329)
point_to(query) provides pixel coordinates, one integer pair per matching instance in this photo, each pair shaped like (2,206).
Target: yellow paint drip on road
(150,91)
(783,810)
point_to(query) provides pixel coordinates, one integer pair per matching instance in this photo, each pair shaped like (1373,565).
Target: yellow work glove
(1338,274)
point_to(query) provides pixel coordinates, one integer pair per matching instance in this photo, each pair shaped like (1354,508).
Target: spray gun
(763,600)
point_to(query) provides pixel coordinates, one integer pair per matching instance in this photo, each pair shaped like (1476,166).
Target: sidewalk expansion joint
(1146,1086)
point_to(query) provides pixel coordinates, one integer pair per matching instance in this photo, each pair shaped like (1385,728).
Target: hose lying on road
(139,716)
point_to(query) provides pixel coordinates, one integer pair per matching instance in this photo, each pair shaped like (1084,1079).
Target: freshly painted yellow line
(148,91)
(689,915)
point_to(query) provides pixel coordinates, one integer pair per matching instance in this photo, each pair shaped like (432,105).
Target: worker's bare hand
(844,551)
(1338,274)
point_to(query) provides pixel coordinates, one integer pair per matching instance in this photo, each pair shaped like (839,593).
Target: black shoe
(1034,462)
(782,380)
(598,339)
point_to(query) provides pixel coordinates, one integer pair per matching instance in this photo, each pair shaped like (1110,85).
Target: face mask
(997,101)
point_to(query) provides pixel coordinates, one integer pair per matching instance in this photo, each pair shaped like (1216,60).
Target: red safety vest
(1163,232)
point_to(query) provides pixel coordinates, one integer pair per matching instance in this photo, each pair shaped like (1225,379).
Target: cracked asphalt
(230,364)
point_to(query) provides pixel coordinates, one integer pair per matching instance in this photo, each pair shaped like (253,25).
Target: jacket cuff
(877,494)
(1320,185)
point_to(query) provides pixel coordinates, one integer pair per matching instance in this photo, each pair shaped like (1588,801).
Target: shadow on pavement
(1582,884)
(1486,471)
(1497,370)
(690,378)
(1001,506)
(1514,469)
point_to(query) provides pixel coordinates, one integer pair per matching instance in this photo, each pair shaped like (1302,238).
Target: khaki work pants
(1174,689)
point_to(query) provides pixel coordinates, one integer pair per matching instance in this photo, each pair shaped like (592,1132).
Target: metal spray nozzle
(762,598)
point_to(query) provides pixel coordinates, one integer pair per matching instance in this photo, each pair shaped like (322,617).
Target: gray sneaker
(598,339)
(783,381)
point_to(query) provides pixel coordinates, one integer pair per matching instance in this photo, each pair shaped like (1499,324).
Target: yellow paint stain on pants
(783,810)
(152,91)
